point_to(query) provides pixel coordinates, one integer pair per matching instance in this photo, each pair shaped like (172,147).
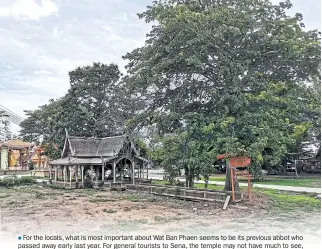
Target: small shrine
(114,159)
(18,155)
(15,154)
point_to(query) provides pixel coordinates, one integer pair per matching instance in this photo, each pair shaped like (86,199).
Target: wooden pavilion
(94,157)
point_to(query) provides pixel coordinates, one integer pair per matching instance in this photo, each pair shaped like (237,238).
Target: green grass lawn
(297,182)
(289,201)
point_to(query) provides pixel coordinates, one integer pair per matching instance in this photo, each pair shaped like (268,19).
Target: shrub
(88,183)
(10,181)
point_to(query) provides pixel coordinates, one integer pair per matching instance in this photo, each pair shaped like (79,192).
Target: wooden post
(92,171)
(76,174)
(147,172)
(70,176)
(226,202)
(56,173)
(64,173)
(232,183)
(82,177)
(103,172)
(249,192)
(114,172)
(143,164)
(50,173)
(133,172)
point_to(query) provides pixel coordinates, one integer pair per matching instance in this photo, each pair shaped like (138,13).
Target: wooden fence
(185,193)
(170,191)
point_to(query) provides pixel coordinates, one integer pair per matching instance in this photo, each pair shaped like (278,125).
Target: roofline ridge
(115,136)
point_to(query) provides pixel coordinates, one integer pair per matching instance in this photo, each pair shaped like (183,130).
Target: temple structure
(114,159)
(15,154)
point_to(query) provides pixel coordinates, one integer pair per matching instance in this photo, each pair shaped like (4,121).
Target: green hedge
(10,181)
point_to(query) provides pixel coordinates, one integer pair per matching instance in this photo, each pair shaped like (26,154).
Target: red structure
(235,163)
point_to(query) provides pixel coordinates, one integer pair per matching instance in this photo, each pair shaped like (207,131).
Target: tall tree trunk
(206,180)
(228,186)
(192,177)
(189,175)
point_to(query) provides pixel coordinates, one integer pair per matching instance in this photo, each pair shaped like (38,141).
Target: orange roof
(16,143)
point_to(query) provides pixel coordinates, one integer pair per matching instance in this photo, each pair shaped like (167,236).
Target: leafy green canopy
(237,68)
(96,105)
(5,133)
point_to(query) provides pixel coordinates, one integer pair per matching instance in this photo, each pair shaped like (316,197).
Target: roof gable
(96,147)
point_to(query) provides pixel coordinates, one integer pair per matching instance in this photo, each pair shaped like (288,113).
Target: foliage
(235,68)
(10,181)
(5,133)
(88,183)
(96,105)
(213,77)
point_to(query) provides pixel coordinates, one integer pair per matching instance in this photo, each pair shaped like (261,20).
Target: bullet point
(19,238)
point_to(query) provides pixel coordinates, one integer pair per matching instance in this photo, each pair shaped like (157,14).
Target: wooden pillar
(143,166)
(133,172)
(103,172)
(56,173)
(64,173)
(76,174)
(50,173)
(114,172)
(147,171)
(70,176)
(92,171)
(82,171)
(140,171)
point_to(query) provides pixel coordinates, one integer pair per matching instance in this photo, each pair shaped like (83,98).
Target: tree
(218,59)
(95,89)
(5,133)
(96,105)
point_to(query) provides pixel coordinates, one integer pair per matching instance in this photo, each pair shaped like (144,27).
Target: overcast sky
(42,40)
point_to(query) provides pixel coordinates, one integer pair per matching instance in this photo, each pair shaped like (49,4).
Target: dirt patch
(52,211)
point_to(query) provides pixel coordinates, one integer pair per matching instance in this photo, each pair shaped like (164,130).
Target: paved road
(158,175)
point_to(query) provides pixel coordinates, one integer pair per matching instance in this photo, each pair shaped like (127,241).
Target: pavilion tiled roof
(96,147)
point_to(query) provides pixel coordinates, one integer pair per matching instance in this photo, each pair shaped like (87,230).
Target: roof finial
(66,132)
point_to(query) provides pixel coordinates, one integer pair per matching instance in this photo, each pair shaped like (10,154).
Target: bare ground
(42,210)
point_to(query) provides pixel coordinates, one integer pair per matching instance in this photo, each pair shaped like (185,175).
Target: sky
(42,40)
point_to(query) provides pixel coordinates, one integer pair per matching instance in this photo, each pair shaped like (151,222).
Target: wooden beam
(226,202)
